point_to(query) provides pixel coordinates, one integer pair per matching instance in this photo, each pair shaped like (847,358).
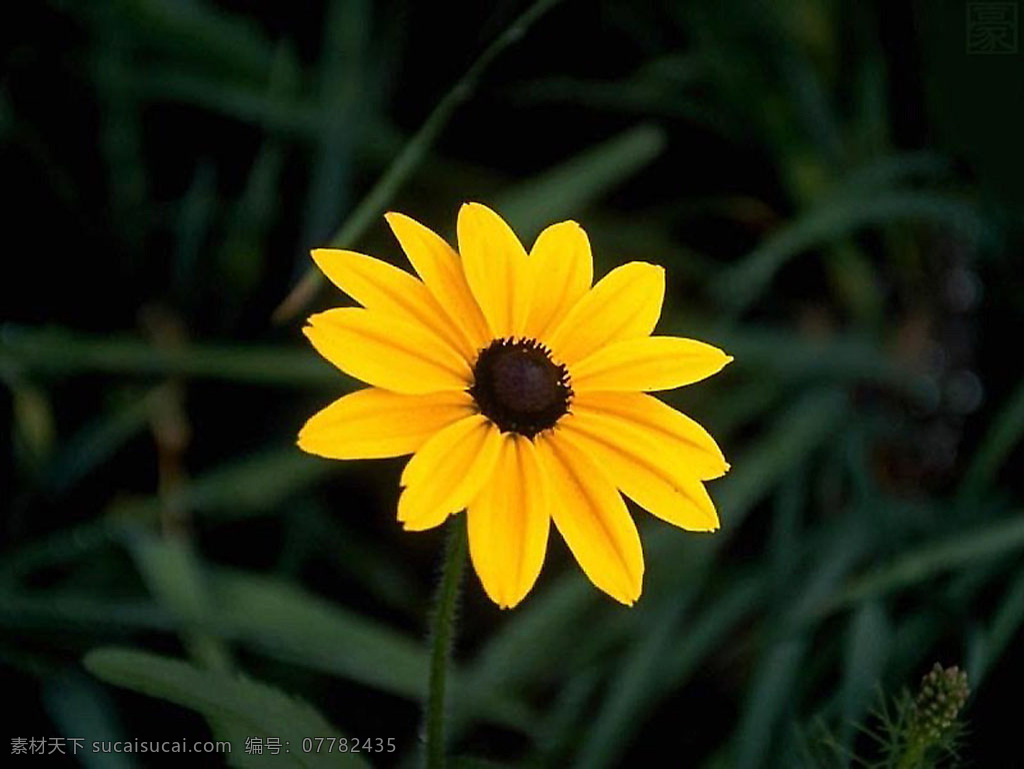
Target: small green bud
(942,695)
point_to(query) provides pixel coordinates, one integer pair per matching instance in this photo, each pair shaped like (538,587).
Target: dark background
(835,191)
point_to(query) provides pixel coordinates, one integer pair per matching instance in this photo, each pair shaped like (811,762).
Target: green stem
(913,757)
(442,636)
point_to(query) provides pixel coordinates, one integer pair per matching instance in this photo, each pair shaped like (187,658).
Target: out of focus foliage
(831,187)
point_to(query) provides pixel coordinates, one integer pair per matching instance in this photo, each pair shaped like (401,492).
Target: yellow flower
(521,391)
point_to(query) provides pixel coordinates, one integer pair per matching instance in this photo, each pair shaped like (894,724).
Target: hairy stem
(442,636)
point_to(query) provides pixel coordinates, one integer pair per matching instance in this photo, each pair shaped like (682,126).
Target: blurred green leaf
(81,707)
(796,432)
(121,129)
(33,423)
(868,637)
(312,531)
(639,671)
(195,219)
(632,96)
(740,284)
(888,171)
(59,351)
(175,578)
(1004,433)
(242,253)
(567,189)
(659,665)
(993,540)
(405,163)
(840,358)
(268,616)
(198,31)
(99,439)
(253,484)
(781,661)
(567,720)
(1001,633)
(341,116)
(243,706)
(772,690)
(526,646)
(75,612)
(295,626)
(288,114)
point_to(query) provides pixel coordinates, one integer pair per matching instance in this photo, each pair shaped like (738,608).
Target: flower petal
(593,520)
(625,304)
(561,270)
(374,423)
(508,524)
(495,265)
(446,473)
(632,463)
(440,268)
(384,288)
(682,443)
(386,352)
(648,363)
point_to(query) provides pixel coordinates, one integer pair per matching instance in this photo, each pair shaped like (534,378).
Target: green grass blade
(740,285)
(286,114)
(95,443)
(273,618)
(868,638)
(238,705)
(194,224)
(291,624)
(630,689)
(81,707)
(252,485)
(772,689)
(995,540)
(200,32)
(567,189)
(406,162)
(121,124)
(34,426)
(658,666)
(780,666)
(58,351)
(1003,435)
(175,577)
(1004,629)
(888,171)
(341,117)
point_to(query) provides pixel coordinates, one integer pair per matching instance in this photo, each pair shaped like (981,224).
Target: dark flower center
(518,387)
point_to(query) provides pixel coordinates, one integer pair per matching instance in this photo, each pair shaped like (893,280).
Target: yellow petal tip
(319,256)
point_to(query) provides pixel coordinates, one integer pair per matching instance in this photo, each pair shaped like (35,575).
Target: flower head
(521,391)
(943,693)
